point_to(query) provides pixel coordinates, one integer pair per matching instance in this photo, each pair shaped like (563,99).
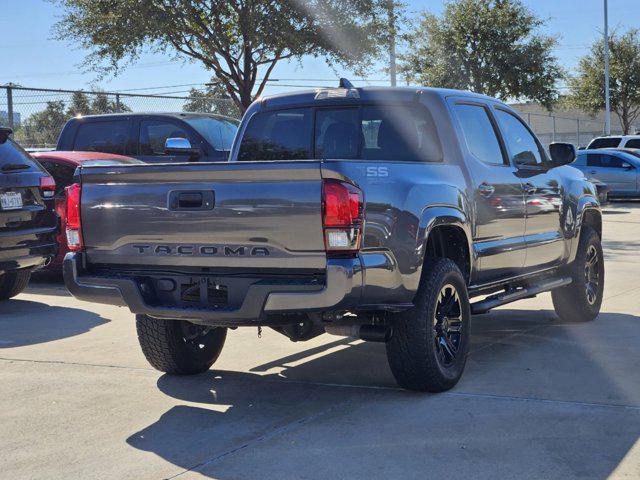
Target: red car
(61,166)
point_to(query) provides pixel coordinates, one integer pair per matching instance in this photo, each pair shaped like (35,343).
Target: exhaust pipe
(368,333)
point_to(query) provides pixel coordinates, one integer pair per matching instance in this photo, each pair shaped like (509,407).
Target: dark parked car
(62,166)
(152,137)
(375,213)
(27,220)
(618,169)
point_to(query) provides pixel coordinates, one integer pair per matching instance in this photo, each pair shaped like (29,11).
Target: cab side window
(154,134)
(108,136)
(523,147)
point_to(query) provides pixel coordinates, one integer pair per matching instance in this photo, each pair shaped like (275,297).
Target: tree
(79,105)
(102,104)
(587,88)
(488,46)
(42,128)
(213,99)
(240,41)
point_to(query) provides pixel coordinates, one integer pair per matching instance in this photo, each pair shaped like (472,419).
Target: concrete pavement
(539,399)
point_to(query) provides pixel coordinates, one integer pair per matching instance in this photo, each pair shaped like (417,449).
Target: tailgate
(237,215)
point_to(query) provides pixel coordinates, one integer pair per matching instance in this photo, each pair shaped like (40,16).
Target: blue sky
(31,58)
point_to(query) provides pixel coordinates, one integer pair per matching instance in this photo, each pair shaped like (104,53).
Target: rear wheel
(13,283)
(178,346)
(580,301)
(430,342)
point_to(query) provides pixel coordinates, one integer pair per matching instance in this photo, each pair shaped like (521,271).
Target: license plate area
(185,292)
(11,201)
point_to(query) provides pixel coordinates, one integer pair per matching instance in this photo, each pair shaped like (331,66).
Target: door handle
(486,190)
(593,172)
(191,200)
(529,188)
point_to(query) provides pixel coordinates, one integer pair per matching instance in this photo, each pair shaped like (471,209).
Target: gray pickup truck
(375,213)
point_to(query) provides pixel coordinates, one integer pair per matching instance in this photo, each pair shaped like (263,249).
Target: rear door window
(107,136)
(278,135)
(633,143)
(480,134)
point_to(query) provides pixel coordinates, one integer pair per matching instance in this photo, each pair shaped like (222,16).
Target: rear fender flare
(436,216)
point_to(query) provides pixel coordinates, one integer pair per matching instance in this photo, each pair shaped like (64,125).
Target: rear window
(107,137)
(278,135)
(395,133)
(606,142)
(12,155)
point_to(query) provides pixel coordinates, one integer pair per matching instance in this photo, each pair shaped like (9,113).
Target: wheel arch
(447,234)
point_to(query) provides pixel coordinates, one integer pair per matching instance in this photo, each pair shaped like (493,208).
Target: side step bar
(483,306)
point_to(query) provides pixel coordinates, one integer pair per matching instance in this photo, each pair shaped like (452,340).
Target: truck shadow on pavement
(533,386)
(24,322)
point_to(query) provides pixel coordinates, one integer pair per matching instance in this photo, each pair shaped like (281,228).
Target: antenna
(344,83)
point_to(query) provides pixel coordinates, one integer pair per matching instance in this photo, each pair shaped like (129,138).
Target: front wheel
(580,301)
(430,342)
(178,346)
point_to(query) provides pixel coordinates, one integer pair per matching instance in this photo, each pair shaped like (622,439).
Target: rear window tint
(12,154)
(107,137)
(278,135)
(608,142)
(394,133)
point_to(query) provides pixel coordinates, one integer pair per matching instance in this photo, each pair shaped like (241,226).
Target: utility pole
(391,18)
(607,98)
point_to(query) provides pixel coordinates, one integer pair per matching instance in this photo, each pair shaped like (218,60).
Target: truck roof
(362,94)
(159,114)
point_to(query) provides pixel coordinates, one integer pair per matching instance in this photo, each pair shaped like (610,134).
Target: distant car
(61,166)
(615,141)
(152,137)
(27,220)
(616,168)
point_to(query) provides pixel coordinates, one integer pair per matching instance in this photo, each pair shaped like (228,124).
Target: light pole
(607,100)
(391,18)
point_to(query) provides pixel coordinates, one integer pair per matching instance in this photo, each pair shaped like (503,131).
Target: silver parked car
(616,168)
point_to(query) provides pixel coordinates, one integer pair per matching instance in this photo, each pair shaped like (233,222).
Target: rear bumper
(342,291)
(26,249)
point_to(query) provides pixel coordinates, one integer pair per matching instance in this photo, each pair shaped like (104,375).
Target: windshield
(219,132)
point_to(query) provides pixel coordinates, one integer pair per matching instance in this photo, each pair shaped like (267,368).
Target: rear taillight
(74,227)
(342,216)
(48,187)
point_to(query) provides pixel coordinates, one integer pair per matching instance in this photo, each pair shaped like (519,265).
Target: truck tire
(13,283)
(178,346)
(429,346)
(580,301)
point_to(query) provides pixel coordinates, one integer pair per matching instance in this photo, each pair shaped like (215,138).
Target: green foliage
(43,128)
(587,88)
(213,99)
(487,46)
(238,40)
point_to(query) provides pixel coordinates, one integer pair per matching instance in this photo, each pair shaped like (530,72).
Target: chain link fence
(38,115)
(579,131)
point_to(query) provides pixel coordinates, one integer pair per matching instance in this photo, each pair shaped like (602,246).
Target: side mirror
(562,153)
(627,166)
(180,146)
(525,159)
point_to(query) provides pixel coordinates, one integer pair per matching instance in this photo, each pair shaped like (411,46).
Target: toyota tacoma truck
(385,214)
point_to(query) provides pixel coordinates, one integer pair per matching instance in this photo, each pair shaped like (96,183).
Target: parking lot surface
(539,398)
